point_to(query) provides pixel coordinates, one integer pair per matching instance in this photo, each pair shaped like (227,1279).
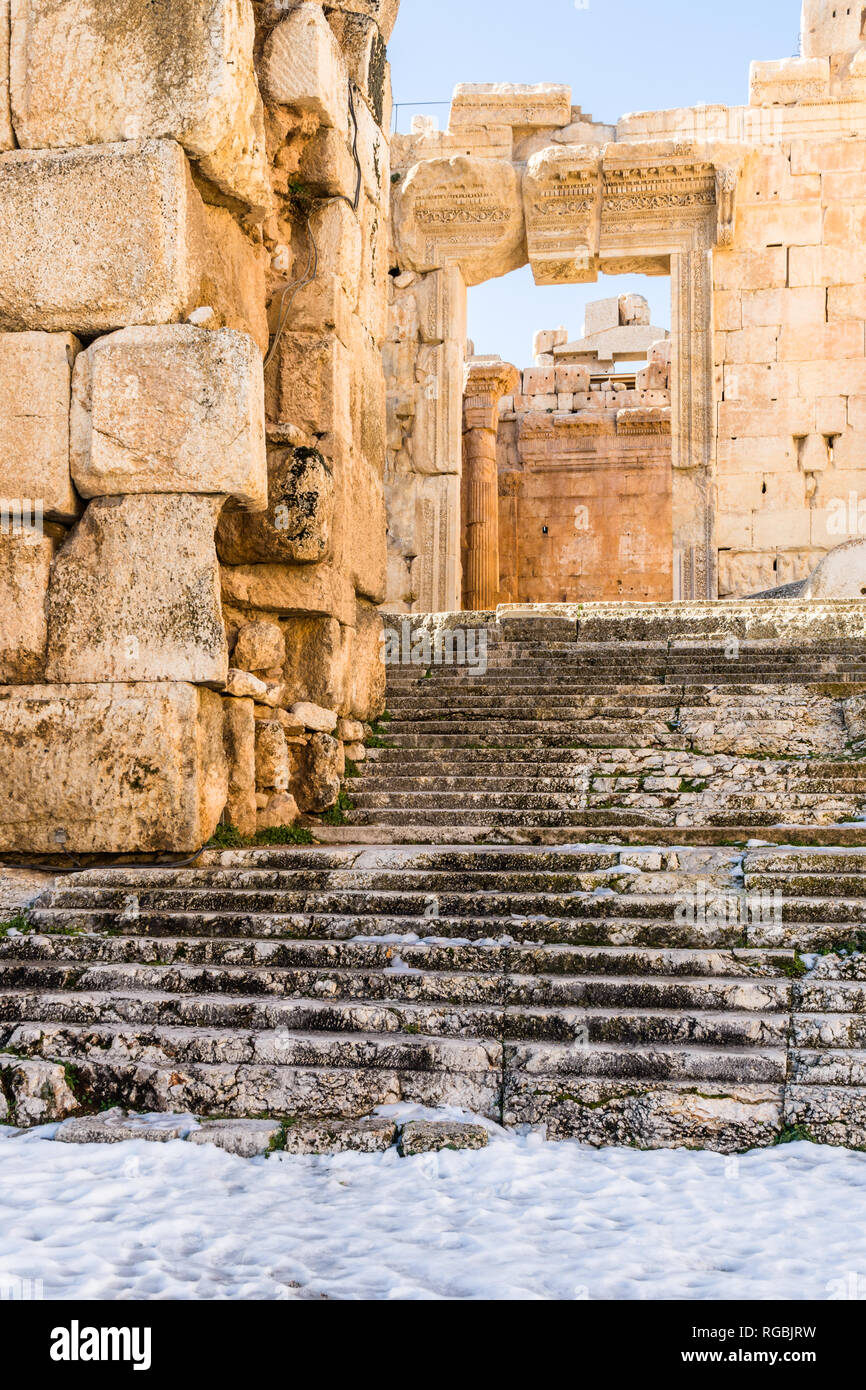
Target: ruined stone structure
(194,209)
(756,214)
(584,462)
(540,895)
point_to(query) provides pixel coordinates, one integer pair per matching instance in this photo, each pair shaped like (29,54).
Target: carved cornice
(649,420)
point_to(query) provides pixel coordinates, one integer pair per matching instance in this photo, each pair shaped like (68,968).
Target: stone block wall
(192,535)
(791,362)
(584,466)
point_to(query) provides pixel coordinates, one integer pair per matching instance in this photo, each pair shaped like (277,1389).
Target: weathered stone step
(386,1036)
(722,799)
(828,1068)
(122,889)
(338,1092)
(664,1062)
(574,820)
(762,739)
(606,965)
(426,909)
(283,1048)
(458,836)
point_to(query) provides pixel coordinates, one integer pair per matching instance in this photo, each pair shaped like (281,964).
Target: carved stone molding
(464,212)
(562,196)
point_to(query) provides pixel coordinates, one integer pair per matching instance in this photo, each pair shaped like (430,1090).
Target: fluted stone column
(487,380)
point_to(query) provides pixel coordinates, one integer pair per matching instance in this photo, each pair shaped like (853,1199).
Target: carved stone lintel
(562,198)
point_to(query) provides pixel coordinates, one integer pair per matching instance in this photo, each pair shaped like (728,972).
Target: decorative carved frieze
(562,199)
(525,108)
(463,212)
(652,420)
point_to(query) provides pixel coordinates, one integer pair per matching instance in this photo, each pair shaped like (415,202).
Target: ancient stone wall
(193,283)
(757,214)
(584,464)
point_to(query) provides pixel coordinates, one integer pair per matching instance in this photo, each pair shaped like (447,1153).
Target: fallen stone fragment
(245,1138)
(34,1092)
(431,1136)
(114,1126)
(242,685)
(340,1136)
(321,721)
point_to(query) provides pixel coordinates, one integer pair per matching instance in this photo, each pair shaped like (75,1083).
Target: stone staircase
(607,987)
(565,738)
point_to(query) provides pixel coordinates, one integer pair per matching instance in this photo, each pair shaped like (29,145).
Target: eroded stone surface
(117,1125)
(35,377)
(91,72)
(244,1138)
(374,1135)
(35,1092)
(110,768)
(432,1136)
(170,409)
(25,567)
(297,524)
(135,594)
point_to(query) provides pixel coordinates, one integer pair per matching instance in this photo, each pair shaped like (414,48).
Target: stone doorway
(573,211)
(583,463)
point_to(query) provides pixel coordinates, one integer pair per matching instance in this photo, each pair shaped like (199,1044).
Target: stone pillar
(487,380)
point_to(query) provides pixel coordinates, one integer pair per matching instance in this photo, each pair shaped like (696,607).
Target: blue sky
(618,56)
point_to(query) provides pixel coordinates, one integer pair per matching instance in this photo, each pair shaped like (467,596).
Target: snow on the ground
(523,1219)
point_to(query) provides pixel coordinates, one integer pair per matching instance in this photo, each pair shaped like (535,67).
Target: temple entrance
(582,460)
(465,216)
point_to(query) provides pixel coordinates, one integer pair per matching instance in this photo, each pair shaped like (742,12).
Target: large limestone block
(170,409)
(25,566)
(7,135)
(110,236)
(135,594)
(297,524)
(308,384)
(90,72)
(383,11)
(35,380)
(841,574)
(830,26)
(462,211)
(290,590)
(365,53)
(110,768)
(789,81)
(508,103)
(302,67)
